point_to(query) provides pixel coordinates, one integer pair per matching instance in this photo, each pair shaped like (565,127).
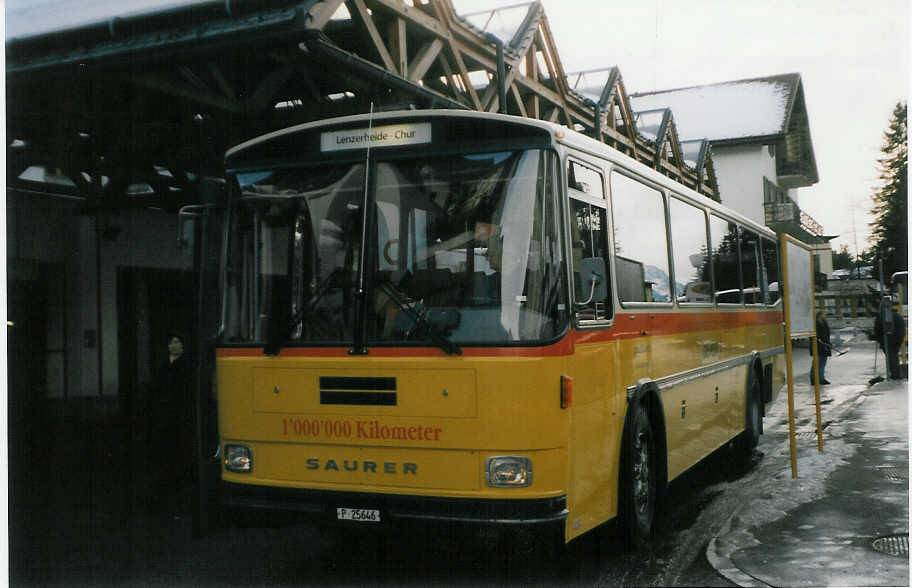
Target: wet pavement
(844,521)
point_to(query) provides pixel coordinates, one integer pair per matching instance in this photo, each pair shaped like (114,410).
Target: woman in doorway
(172,425)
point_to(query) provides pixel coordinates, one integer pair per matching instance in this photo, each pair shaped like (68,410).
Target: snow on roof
(503,23)
(514,25)
(590,84)
(730,110)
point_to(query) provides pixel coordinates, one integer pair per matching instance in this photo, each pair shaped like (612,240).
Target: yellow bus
(463,317)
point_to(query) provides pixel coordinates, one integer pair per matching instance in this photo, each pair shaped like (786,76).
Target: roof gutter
(160,31)
(118,27)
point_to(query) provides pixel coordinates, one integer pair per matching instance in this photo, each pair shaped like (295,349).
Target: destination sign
(383,136)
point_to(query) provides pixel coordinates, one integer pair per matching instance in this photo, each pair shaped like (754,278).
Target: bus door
(595,407)
(201,228)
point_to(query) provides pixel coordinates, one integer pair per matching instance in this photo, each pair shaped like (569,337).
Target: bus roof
(380,117)
(560,134)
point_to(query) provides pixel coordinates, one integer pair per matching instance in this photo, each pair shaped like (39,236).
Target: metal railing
(778,207)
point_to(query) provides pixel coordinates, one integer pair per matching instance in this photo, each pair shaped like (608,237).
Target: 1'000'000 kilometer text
(346,429)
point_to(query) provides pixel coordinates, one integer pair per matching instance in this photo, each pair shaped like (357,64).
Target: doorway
(152,303)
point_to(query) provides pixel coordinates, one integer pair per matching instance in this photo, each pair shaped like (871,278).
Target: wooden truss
(186,86)
(432,47)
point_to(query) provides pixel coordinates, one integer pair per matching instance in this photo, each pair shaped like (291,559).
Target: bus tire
(639,488)
(753,416)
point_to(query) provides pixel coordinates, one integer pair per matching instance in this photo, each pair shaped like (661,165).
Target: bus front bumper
(292,505)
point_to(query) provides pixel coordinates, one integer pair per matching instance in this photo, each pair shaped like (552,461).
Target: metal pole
(903,348)
(501,73)
(884,311)
(814,366)
(790,376)
(200,508)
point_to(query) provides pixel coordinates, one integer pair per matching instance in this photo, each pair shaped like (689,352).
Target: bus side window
(691,263)
(588,241)
(750,266)
(640,241)
(585,179)
(770,253)
(726,269)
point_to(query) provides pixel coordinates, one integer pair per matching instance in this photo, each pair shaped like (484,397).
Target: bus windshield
(456,248)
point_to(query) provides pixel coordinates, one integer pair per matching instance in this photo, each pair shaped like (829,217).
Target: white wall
(145,239)
(825,256)
(740,171)
(59,231)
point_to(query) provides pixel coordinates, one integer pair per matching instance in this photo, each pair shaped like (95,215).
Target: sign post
(798,309)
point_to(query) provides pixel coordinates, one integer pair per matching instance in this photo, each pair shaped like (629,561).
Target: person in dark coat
(895,331)
(824,348)
(172,421)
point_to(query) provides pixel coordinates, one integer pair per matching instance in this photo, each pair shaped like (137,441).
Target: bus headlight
(508,471)
(238,458)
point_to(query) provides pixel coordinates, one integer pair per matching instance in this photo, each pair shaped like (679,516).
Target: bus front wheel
(639,488)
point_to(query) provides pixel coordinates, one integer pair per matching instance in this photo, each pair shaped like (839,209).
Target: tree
(890,226)
(843,259)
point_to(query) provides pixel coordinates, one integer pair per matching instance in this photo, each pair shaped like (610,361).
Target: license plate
(358,514)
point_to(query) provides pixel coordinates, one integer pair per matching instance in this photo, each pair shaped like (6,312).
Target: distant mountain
(659,279)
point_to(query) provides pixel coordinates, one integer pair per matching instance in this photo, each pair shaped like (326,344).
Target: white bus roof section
(588,145)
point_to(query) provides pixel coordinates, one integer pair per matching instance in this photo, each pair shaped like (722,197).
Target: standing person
(895,330)
(824,348)
(172,423)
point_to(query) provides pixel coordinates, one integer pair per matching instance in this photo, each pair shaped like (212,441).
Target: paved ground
(845,520)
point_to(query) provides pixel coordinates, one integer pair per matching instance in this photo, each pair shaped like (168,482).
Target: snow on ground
(771,492)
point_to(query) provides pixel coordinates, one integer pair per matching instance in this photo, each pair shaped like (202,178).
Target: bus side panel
(779,375)
(699,411)
(689,421)
(596,422)
(774,340)
(704,412)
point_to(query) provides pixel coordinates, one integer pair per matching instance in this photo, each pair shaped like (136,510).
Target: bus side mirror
(593,277)
(213,193)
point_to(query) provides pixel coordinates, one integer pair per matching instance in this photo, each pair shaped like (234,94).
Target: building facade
(761,145)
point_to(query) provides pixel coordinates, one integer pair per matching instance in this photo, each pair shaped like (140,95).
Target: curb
(718,553)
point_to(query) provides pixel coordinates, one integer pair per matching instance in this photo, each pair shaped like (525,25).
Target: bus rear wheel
(748,440)
(639,488)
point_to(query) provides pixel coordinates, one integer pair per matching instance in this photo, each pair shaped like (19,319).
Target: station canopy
(127,107)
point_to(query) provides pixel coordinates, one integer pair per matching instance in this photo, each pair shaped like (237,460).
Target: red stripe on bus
(562,347)
(626,326)
(640,324)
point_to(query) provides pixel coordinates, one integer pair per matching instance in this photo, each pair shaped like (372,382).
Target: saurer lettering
(366,466)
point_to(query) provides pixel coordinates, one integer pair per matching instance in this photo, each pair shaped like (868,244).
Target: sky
(853,57)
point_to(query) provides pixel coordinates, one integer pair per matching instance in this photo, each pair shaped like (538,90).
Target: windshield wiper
(449,346)
(278,338)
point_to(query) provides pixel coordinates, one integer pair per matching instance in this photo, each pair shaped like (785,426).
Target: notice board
(798,280)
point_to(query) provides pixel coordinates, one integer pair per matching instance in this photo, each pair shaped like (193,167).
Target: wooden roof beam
(365,22)
(424,59)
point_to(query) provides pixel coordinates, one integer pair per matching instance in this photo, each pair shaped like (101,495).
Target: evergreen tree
(843,259)
(890,226)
